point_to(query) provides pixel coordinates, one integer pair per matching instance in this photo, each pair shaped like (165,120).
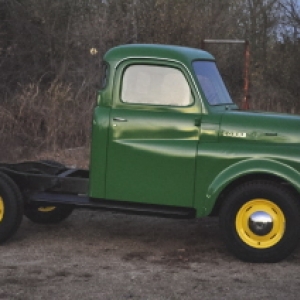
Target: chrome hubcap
(260,223)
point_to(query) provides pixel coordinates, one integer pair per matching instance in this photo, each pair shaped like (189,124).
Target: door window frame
(195,107)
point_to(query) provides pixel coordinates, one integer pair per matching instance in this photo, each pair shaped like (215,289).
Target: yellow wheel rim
(260,223)
(1,209)
(46,208)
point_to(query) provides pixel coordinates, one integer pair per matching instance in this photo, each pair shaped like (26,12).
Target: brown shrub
(49,119)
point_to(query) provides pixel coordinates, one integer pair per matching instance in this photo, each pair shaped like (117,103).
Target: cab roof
(155,51)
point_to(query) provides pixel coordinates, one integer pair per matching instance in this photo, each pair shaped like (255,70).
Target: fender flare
(248,167)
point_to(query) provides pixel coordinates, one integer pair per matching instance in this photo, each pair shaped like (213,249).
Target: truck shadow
(136,238)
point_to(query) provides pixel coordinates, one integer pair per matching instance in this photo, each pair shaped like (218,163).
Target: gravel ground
(104,255)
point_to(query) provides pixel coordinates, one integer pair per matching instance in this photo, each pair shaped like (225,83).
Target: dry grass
(47,120)
(72,157)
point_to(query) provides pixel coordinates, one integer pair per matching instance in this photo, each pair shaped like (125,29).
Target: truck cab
(159,104)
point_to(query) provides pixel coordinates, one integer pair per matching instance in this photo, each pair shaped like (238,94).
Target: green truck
(167,140)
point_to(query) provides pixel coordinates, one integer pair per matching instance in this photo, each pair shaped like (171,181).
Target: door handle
(117,119)
(197,122)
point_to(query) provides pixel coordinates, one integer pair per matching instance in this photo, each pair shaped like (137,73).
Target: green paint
(182,156)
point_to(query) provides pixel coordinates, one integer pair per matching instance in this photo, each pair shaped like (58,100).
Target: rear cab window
(105,75)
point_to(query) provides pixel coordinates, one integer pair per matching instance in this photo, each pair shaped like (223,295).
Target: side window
(155,85)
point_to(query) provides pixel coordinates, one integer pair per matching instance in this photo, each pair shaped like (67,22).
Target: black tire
(48,214)
(270,239)
(11,206)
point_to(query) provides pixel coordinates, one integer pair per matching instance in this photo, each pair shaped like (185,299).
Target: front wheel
(260,221)
(48,214)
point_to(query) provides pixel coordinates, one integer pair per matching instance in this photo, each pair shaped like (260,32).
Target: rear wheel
(48,214)
(260,222)
(11,208)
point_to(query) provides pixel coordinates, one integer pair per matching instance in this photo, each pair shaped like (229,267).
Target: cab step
(82,201)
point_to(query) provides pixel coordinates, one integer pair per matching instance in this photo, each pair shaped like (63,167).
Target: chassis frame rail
(47,177)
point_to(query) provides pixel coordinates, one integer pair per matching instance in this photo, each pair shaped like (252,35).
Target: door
(153,137)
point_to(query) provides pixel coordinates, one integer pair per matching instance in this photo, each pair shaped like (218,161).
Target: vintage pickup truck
(167,140)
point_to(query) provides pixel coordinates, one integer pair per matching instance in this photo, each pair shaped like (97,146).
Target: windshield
(211,83)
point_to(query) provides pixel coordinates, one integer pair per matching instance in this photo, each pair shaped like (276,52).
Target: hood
(260,127)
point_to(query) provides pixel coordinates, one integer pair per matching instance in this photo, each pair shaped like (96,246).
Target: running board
(112,205)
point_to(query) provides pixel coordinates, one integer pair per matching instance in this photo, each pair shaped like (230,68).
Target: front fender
(248,167)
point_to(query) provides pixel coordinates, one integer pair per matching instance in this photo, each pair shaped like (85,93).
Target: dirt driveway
(104,255)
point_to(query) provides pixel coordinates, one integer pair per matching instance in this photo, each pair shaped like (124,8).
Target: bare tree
(291,19)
